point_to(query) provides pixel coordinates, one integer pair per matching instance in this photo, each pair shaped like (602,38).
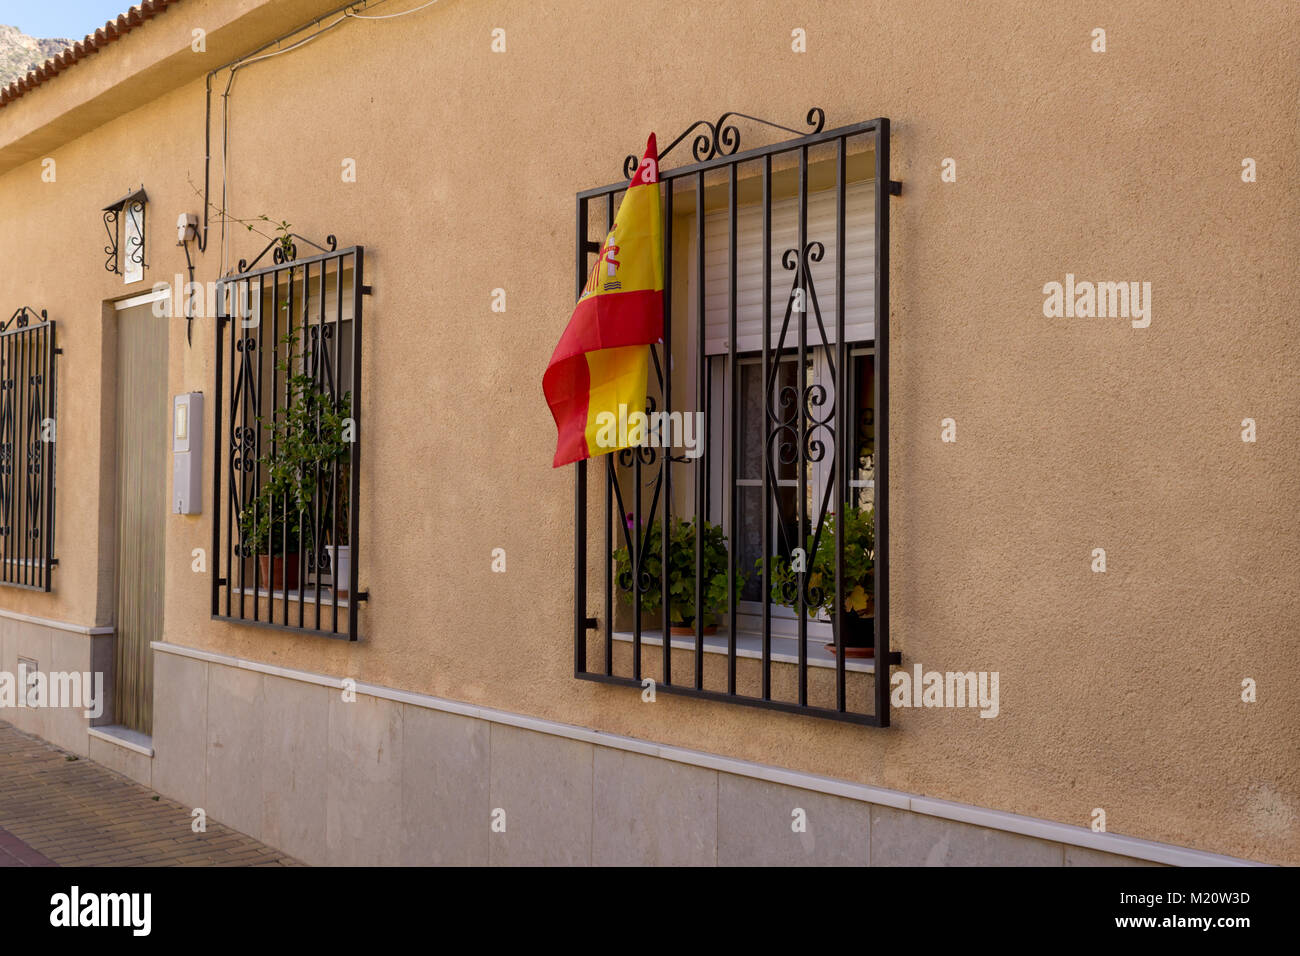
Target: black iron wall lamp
(129,212)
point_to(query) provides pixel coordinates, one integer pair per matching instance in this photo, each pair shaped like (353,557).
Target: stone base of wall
(400,778)
(55,646)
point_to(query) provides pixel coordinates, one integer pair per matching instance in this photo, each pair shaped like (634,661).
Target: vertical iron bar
(765,598)
(232,519)
(6,479)
(354,473)
(611,476)
(328,509)
(274,403)
(802,475)
(24,543)
(702,399)
(338,372)
(305,558)
(843,440)
(34,360)
(289,351)
(734,442)
(51,352)
(580,480)
(666,456)
(6,414)
(251,410)
(11,435)
(220,451)
(636,565)
(881,396)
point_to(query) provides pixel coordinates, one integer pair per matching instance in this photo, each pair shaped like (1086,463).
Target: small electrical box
(187,454)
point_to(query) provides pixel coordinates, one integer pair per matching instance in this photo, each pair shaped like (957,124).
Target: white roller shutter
(859,274)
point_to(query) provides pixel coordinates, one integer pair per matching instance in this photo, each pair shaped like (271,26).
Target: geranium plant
(681,571)
(859,568)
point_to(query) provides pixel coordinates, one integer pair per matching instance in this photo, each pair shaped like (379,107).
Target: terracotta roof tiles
(93,43)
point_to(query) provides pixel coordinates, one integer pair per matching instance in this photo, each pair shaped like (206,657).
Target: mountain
(20,53)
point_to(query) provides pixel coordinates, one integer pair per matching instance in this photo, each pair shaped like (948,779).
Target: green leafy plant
(681,571)
(305,437)
(283,234)
(859,567)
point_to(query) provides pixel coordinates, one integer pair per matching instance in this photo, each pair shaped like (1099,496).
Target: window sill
(785,650)
(294,597)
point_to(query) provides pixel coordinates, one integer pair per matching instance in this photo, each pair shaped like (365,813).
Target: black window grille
(287,433)
(28,431)
(780,383)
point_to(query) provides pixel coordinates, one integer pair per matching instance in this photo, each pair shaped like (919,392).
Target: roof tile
(110,31)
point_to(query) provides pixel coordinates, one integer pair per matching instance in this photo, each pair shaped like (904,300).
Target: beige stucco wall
(1119,691)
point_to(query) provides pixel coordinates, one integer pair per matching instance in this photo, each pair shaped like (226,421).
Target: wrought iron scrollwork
(797,428)
(132,204)
(110,250)
(135,244)
(721,138)
(22,317)
(284,249)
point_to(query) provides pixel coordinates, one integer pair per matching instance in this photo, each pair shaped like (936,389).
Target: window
(776,265)
(28,431)
(288,430)
(782,524)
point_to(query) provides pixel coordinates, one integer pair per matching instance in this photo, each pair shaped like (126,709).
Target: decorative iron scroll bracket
(23,317)
(133,204)
(723,139)
(284,249)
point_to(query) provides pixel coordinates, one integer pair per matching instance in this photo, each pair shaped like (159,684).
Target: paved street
(60,812)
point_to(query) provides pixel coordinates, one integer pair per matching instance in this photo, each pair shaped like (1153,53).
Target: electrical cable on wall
(347,12)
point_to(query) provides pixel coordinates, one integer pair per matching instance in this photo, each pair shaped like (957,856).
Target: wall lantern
(129,211)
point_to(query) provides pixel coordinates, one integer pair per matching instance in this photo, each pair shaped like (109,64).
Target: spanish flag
(603,358)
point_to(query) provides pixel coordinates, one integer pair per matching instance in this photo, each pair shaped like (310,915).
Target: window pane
(750,538)
(752,429)
(864,417)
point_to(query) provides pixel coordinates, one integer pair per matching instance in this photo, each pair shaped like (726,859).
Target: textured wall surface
(1119,691)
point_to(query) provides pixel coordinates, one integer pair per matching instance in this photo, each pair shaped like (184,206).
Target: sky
(69,19)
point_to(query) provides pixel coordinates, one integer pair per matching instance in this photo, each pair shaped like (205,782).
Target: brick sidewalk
(60,812)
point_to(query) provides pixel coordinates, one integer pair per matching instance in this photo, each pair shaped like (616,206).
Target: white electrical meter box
(187,454)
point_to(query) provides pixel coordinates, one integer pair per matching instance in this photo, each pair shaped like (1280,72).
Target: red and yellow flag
(603,358)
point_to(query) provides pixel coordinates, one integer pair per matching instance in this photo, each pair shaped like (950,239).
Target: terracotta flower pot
(688,630)
(282,573)
(859,637)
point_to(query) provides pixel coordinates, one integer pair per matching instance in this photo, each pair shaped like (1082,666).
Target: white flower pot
(341,566)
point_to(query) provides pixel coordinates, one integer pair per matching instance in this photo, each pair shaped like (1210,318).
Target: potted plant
(681,574)
(304,440)
(859,636)
(278,564)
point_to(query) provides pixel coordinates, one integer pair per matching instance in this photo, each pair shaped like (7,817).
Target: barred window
(28,433)
(288,430)
(775,524)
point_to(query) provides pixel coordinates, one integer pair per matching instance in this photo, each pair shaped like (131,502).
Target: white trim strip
(122,737)
(143,299)
(963,813)
(57,625)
